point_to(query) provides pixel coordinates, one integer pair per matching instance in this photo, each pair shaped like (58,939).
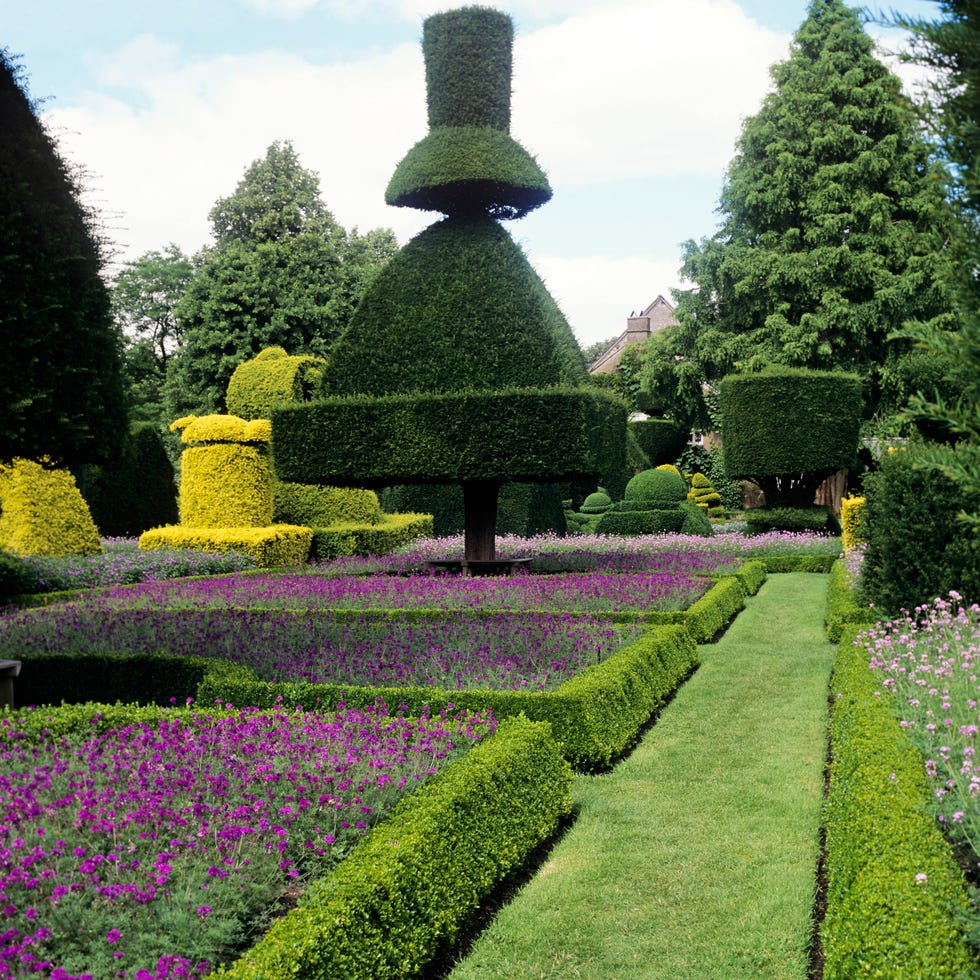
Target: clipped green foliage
(13,581)
(894,890)
(469,161)
(42,512)
(136,493)
(389,532)
(412,885)
(500,435)
(278,545)
(787,429)
(271,378)
(656,484)
(637,522)
(705,496)
(458,308)
(54,678)
(661,439)
(759,520)
(910,515)
(696,521)
(844,606)
(316,506)
(711,462)
(596,503)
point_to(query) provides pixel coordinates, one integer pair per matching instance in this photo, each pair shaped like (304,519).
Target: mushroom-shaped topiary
(660,486)
(596,503)
(482,381)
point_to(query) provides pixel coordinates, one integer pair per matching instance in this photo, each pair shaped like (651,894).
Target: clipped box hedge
(843,605)
(387,440)
(595,715)
(408,890)
(354,538)
(894,890)
(279,545)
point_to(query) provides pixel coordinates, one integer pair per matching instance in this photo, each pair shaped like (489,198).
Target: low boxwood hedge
(409,888)
(843,604)
(894,889)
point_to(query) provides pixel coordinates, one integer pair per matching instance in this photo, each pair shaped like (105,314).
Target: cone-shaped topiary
(481,381)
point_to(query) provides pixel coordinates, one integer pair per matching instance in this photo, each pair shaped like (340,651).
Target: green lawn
(697,855)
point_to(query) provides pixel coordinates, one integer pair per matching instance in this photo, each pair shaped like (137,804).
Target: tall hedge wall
(787,429)
(517,434)
(789,421)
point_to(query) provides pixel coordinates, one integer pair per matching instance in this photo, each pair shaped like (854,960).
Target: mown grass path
(696,856)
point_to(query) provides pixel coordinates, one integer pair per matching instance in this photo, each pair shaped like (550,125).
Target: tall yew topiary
(788,429)
(481,381)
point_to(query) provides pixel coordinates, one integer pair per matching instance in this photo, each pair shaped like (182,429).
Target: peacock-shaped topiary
(458,366)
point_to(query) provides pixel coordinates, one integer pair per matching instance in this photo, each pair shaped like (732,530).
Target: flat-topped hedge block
(274,546)
(521,434)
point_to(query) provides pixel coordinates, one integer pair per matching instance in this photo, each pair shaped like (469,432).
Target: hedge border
(882,920)
(409,888)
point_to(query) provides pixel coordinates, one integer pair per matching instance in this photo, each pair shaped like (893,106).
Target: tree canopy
(60,378)
(145,295)
(280,272)
(834,231)
(949,411)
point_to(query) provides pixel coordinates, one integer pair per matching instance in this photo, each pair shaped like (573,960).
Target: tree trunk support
(480,519)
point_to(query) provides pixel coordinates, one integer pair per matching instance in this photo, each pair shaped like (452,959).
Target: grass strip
(697,855)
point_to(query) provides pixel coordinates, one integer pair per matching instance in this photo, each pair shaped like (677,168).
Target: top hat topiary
(481,381)
(468,162)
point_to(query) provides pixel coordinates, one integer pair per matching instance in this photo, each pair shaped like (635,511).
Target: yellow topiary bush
(280,545)
(42,512)
(225,472)
(272,378)
(852,522)
(705,496)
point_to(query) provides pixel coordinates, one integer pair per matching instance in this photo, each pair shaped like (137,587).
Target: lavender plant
(156,850)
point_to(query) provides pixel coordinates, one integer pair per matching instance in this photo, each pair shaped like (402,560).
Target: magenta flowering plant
(157,850)
(650,591)
(534,651)
(929,664)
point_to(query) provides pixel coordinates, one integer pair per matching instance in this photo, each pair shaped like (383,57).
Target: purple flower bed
(155,850)
(673,589)
(536,651)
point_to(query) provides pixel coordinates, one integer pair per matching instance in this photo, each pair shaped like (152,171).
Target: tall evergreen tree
(833,233)
(950,411)
(60,379)
(280,272)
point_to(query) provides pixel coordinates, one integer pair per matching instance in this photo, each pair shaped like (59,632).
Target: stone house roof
(639,327)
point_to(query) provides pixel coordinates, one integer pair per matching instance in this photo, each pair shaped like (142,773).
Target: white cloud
(617,89)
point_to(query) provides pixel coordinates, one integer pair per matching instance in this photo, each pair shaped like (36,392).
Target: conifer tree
(61,389)
(834,226)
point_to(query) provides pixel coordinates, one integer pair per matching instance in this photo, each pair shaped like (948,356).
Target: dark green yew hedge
(662,440)
(459,308)
(517,434)
(787,429)
(881,920)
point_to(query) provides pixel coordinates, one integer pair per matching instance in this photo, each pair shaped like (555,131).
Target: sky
(632,107)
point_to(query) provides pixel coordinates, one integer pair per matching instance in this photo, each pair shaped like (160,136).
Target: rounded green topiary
(657,484)
(458,308)
(42,512)
(596,503)
(272,378)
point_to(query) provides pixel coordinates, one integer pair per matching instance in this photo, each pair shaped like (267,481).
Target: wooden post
(480,519)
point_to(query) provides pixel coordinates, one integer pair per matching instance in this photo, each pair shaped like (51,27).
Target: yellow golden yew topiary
(852,522)
(280,545)
(222,428)
(225,485)
(42,512)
